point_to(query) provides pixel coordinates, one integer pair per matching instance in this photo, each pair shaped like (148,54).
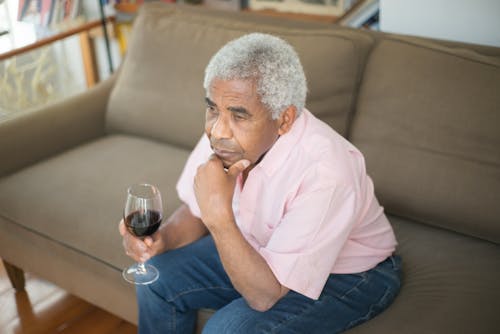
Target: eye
(211,110)
(239,117)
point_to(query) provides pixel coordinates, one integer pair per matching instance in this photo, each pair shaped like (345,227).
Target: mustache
(224,145)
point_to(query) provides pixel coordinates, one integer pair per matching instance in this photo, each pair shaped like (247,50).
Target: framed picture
(314,7)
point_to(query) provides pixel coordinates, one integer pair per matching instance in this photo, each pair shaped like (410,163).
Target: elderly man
(280,230)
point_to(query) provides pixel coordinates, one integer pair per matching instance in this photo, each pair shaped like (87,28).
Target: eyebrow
(210,102)
(238,110)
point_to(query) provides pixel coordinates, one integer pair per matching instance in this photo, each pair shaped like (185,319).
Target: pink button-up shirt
(308,207)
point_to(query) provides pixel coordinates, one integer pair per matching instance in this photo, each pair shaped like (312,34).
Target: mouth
(227,157)
(225,154)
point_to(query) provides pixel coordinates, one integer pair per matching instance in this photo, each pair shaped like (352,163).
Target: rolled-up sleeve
(305,245)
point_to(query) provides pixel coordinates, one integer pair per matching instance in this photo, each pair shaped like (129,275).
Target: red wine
(142,224)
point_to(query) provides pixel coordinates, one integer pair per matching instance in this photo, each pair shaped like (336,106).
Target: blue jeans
(192,277)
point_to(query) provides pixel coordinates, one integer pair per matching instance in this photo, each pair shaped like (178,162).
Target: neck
(247,171)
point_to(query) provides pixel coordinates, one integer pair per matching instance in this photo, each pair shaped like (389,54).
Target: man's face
(236,122)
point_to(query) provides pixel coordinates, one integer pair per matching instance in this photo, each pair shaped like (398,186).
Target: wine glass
(142,216)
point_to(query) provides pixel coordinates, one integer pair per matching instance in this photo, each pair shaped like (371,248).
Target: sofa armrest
(29,136)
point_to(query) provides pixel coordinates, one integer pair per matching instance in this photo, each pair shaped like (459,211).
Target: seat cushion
(159,92)
(450,284)
(77,197)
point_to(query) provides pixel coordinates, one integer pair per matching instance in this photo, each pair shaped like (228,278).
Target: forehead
(235,89)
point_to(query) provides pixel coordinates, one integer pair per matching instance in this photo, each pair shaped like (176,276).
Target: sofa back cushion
(428,121)
(159,92)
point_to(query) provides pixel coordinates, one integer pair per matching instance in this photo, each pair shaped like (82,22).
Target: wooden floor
(45,308)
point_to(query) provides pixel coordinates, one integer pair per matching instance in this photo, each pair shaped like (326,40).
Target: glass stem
(141,269)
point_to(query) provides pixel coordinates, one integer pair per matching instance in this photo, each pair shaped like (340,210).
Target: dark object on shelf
(106,36)
(364,13)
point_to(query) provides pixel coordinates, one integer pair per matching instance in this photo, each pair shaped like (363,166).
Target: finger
(121,228)
(238,167)
(213,156)
(129,249)
(214,159)
(135,248)
(144,257)
(148,241)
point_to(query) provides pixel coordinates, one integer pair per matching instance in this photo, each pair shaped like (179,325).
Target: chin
(227,163)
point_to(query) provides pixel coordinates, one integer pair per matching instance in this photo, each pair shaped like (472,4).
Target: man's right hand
(141,250)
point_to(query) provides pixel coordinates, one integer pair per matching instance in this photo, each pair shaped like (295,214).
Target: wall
(473,21)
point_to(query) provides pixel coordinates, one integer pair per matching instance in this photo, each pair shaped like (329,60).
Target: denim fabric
(192,277)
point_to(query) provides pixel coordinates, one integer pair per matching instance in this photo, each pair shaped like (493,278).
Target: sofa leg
(16,276)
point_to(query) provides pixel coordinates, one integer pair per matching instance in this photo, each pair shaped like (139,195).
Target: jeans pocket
(390,270)
(396,262)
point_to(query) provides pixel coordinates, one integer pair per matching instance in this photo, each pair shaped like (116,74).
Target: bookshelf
(48,54)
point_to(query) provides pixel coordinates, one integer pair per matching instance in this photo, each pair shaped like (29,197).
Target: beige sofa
(425,113)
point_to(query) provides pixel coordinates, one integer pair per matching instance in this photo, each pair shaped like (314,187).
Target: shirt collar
(281,149)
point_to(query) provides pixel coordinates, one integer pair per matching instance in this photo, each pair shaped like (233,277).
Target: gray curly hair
(269,60)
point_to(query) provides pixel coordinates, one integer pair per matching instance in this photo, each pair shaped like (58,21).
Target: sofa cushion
(165,99)
(77,273)
(427,121)
(77,198)
(449,284)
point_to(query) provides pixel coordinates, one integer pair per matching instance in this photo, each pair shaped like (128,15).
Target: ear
(286,120)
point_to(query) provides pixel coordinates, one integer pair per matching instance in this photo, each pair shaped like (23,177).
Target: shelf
(295,16)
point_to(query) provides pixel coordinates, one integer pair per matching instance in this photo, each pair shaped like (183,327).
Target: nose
(221,129)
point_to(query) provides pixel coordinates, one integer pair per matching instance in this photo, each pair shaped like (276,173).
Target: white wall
(473,21)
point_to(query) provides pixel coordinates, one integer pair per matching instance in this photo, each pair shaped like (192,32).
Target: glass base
(140,273)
